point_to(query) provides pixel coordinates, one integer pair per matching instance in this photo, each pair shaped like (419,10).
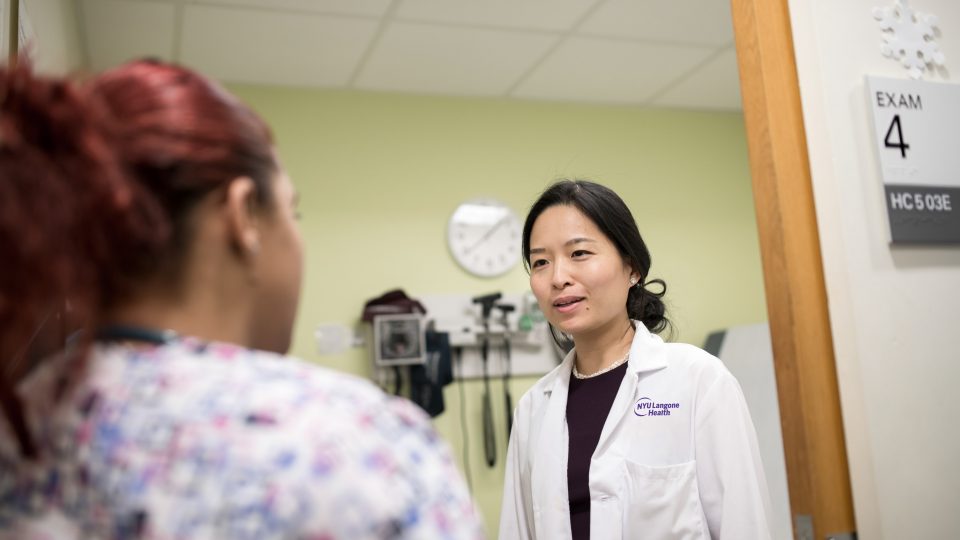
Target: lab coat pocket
(663,503)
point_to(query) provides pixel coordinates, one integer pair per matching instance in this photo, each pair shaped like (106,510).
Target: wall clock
(484,237)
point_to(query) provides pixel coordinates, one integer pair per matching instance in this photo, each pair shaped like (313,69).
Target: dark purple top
(588,404)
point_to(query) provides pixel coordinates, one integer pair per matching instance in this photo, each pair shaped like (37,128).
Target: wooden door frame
(821,501)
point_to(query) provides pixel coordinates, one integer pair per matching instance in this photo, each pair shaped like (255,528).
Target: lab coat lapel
(549,462)
(647,353)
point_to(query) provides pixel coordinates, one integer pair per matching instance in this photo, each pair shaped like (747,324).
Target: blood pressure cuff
(427,380)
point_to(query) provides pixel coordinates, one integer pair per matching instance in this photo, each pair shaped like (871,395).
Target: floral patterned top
(207,440)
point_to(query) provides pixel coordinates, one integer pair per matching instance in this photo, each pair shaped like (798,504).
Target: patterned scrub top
(208,440)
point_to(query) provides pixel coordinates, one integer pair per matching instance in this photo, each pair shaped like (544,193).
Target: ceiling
(661,53)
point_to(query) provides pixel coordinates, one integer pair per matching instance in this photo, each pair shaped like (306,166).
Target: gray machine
(748,354)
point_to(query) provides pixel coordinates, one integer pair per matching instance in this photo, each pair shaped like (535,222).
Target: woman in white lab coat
(630,437)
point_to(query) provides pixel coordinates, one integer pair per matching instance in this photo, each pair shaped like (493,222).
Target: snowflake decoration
(908,37)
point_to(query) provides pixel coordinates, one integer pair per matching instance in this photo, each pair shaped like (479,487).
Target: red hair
(97,181)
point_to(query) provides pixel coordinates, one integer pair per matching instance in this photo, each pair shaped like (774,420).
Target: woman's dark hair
(97,183)
(610,214)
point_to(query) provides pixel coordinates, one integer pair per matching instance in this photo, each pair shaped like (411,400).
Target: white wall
(894,311)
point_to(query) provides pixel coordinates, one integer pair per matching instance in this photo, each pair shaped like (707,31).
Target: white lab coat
(677,457)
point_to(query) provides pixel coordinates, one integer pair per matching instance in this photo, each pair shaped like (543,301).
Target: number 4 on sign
(899,143)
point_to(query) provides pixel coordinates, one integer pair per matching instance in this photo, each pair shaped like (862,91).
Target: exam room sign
(916,128)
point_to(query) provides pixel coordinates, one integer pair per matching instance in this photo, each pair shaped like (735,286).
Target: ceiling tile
(462,61)
(703,22)
(555,15)
(117,31)
(370,8)
(609,71)
(716,85)
(438,46)
(240,45)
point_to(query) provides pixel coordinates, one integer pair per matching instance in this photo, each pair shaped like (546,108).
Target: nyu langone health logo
(647,407)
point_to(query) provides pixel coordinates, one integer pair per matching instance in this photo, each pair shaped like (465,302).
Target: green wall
(380,174)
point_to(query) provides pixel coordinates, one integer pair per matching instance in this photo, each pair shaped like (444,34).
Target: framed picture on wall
(399,340)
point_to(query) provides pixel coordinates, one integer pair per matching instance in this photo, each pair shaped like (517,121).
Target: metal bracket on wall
(803,526)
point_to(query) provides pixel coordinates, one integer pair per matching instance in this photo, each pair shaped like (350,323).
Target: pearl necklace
(611,367)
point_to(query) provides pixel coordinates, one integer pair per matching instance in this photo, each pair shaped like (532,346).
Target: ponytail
(64,203)
(647,306)
(97,183)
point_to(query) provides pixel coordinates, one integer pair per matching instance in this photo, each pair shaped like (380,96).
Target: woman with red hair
(152,202)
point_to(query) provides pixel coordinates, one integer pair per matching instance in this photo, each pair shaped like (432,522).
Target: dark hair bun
(647,306)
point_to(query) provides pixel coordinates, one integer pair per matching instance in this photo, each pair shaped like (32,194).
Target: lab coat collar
(647,353)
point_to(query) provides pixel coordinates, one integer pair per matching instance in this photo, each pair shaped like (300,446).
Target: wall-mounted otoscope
(505,310)
(489,439)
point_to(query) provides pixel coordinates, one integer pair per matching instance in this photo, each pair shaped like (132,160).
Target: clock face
(484,237)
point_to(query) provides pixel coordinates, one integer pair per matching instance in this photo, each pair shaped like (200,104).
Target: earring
(633,281)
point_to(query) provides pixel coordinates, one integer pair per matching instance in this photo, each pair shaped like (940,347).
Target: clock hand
(487,234)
